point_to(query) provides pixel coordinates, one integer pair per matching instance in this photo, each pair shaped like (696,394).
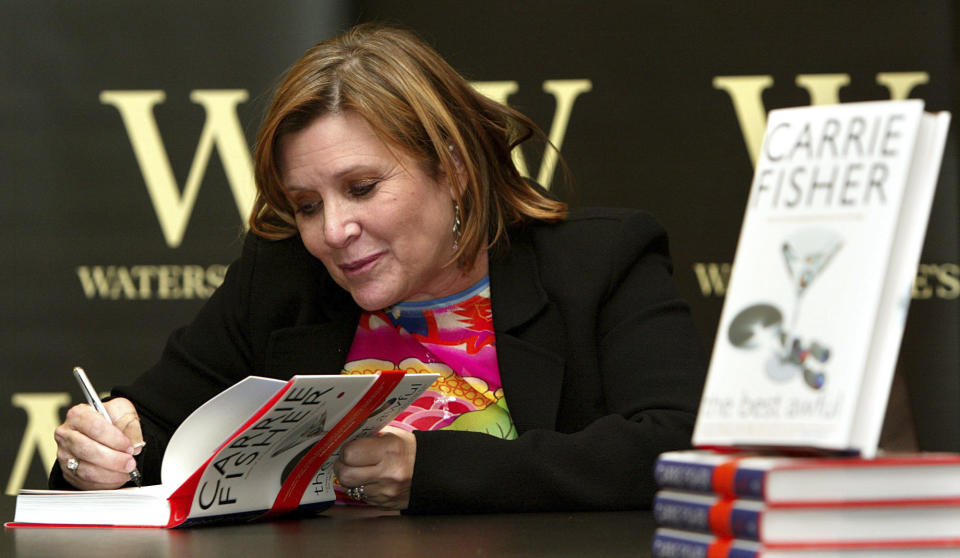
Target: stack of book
(806,349)
(740,505)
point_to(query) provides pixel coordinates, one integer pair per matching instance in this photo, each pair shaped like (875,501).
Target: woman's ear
(461,170)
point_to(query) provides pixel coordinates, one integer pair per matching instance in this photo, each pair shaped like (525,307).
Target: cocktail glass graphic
(806,254)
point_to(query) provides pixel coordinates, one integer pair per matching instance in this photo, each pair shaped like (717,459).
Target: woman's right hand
(103,451)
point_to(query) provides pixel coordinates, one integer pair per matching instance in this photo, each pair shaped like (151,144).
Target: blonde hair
(414,100)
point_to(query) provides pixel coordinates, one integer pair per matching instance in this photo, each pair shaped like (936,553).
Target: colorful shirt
(452,336)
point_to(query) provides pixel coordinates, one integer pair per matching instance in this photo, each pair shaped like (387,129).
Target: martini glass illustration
(806,254)
(761,327)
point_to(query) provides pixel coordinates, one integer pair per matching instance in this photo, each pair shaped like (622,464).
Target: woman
(392,229)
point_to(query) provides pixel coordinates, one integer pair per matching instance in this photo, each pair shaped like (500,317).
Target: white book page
(145,505)
(211,424)
(905,256)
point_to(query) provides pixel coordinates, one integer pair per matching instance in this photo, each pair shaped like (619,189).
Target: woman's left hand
(382,465)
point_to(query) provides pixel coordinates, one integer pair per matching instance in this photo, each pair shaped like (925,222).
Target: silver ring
(73,464)
(357,493)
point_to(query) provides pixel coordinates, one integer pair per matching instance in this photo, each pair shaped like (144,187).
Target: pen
(94,400)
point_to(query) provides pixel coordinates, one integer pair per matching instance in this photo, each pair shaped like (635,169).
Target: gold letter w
(43,416)
(222,128)
(824,89)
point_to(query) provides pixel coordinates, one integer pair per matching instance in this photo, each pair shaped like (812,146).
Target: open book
(821,282)
(280,459)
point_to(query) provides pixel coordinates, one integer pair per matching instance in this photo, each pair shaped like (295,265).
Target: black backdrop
(91,278)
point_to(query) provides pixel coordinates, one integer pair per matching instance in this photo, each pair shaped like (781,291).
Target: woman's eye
(308,208)
(362,189)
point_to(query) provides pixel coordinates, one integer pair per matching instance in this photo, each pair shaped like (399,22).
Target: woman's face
(380,224)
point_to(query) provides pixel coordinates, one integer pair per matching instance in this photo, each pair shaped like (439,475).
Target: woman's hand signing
(382,465)
(103,452)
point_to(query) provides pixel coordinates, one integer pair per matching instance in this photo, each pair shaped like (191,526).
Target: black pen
(94,400)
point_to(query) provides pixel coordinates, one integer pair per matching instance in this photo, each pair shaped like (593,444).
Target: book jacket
(811,324)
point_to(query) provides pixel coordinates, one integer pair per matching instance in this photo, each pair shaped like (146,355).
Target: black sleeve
(198,361)
(651,363)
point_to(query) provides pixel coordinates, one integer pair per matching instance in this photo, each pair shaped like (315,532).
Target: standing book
(263,447)
(821,281)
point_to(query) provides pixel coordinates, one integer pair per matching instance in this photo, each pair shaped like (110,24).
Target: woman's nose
(340,224)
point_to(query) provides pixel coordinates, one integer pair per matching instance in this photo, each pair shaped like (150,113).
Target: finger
(71,443)
(386,494)
(78,437)
(87,421)
(363,452)
(399,446)
(389,497)
(126,419)
(352,477)
(88,476)
(388,429)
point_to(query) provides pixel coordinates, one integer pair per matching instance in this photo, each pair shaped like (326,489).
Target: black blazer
(601,366)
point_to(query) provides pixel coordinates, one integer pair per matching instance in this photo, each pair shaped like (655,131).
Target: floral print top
(452,336)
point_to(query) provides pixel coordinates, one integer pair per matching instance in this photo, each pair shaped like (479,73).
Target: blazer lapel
(529,333)
(310,349)
(316,348)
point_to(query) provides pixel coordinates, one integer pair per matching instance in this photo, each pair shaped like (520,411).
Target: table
(346,531)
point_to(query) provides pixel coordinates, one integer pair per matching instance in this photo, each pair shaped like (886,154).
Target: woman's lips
(359,266)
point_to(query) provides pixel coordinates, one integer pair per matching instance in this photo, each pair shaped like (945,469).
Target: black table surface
(356,532)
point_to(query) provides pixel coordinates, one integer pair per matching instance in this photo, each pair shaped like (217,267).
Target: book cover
(812,321)
(262,446)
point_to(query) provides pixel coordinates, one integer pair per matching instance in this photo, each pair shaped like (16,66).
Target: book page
(898,290)
(135,505)
(209,425)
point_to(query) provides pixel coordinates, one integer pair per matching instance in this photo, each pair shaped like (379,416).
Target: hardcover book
(904,523)
(813,317)
(677,543)
(262,447)
(777,479)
